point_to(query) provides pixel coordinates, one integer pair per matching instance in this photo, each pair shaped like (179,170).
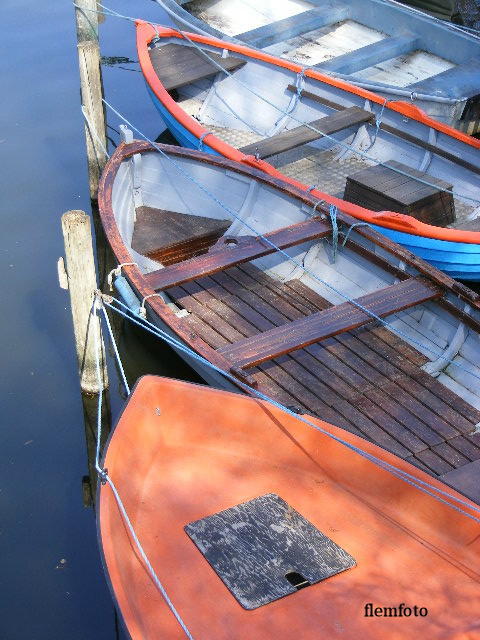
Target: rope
(285,113)
(117,355)
(299,84)
(350,229)
(142,311)
(283,252)
(399,473)
(333,219)
(118,272)
(87,18)
(378,122)
(105,478)
(310,126)
(93,133)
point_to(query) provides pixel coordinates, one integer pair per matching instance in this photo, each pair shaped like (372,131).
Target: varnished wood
(170,237)
(343,317)
(235,250)
(366,381)
(328,125)
(397,132)
(386,187)
(179,65)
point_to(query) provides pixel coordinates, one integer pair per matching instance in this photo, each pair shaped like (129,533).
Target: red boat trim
(389,219)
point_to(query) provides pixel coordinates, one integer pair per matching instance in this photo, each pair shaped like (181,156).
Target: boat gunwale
(389,219)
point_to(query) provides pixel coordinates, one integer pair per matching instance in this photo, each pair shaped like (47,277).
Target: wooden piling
(91,90)
(86,17)
(82,284)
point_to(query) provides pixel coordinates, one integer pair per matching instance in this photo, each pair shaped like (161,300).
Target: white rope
(313,275)
(397,472)
(118,272)
(93,132)
(105,478)
(142,311)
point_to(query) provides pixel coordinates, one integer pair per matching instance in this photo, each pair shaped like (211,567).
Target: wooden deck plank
(179,65)
(451,455)
(448,404)
(296,137)
(434,462)
(342,317)
(319,379)
(307,371)
(232,251)
(465,480)
(465,447)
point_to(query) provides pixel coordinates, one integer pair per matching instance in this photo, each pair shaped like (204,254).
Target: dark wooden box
(379,188)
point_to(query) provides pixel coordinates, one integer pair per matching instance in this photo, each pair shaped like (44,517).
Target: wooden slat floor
(367,381)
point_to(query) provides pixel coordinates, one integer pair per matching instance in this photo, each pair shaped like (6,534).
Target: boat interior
(284,321)
(221,481)
(325,136)
(366,41)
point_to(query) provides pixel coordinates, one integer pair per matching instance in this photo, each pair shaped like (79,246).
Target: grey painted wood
(255,545)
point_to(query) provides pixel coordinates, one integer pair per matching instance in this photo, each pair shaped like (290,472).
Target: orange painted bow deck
(181,453)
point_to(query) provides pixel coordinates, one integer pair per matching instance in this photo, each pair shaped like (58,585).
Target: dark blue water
(52,583)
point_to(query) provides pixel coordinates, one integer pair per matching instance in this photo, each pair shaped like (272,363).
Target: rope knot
(118,272)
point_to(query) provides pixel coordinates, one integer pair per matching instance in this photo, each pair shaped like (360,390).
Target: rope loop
(118,272)
(357,224)
(142,312)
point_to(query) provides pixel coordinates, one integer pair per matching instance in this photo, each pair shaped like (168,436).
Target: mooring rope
(277,249)
(105,478)
(421,485)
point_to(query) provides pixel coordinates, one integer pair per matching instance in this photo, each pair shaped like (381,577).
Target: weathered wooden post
(82,284)
(91,90)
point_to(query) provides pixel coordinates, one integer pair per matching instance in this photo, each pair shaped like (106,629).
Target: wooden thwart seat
(235,250)
(324,324)
(448,155)
(303,134)
(179,65)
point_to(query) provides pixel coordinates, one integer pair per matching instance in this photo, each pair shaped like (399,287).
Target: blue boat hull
(459,260)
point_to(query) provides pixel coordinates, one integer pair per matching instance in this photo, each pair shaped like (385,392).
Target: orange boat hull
(182,452)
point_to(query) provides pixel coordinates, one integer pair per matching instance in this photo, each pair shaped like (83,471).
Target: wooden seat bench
(337,319)
(235,250)
(328,125)
(424,144)
(180,65)
(366,380)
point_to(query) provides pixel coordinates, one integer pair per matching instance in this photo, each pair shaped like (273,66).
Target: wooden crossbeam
(396,132)
(328,125)
(230,251)
(325,324)
(179,65)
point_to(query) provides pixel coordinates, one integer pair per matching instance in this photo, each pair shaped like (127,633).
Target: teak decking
(366,380)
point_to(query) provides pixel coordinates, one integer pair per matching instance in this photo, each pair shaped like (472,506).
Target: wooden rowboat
(260,526)
(283,322)
(377,160)
(383,46)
